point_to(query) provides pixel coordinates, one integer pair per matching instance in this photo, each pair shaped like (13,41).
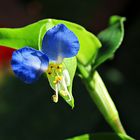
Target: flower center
(59,79)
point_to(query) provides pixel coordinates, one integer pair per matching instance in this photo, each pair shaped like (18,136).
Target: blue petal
(28,64)
(59,41)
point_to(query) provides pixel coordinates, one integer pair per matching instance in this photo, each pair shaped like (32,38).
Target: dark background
(27,112)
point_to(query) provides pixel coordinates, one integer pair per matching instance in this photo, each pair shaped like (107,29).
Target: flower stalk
(102,99)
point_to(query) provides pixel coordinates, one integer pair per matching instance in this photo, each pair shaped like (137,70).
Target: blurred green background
(27,111)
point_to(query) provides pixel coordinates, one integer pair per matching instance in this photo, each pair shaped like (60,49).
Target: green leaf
(111,39)
(19,37)
(102,136)
(82,137)
(32,35)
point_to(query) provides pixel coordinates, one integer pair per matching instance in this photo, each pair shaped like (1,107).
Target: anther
(51,66)
(55,98)
(49,73)
(55,82)
(59,66)
(57,79)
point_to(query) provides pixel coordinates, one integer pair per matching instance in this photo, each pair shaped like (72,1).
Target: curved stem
(102,99)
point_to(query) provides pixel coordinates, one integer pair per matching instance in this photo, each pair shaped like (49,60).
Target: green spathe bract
(30,36)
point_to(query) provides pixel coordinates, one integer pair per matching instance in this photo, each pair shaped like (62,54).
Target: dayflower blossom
(58,43)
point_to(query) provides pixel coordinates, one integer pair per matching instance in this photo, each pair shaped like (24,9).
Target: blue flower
(28,64)
(58,43)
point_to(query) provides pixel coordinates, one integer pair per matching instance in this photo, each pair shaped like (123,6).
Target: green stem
(102,99)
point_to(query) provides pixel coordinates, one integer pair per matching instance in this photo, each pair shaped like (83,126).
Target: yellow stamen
(55,82)
(55,98)
(51,66)
(49,71)
(57,79)
(58,67)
